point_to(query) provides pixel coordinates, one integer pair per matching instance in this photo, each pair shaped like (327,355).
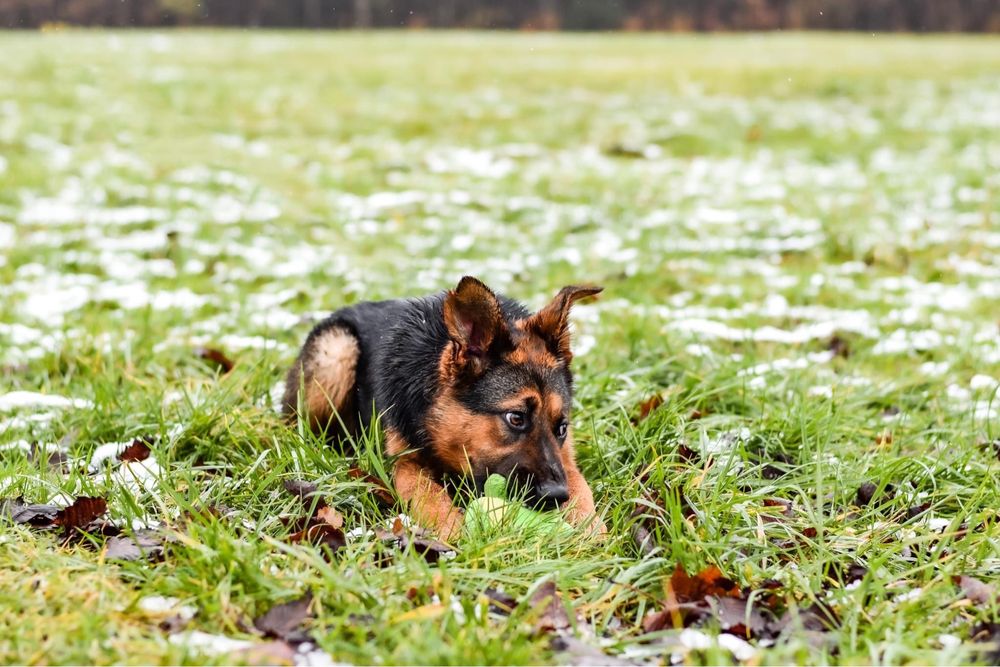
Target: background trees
(678,15)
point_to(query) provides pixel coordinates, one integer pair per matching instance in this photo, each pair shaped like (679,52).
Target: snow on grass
(19,400)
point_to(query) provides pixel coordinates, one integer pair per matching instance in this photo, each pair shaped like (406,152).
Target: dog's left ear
(551,323)
(475,324)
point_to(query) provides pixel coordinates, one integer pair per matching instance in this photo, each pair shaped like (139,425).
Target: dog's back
(375,357)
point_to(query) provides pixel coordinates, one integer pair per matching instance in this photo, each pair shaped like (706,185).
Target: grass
(743,199)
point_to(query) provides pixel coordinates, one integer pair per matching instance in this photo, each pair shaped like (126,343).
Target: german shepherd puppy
(467,383)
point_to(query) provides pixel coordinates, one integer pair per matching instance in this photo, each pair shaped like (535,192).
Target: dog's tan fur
(328,375)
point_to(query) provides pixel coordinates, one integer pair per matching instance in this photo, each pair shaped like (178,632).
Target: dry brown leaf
(284,621)
(330,517)
(80,513)
(650,404)
(975,590)
(137,451)
(33,515)
(552,612)
(217,358)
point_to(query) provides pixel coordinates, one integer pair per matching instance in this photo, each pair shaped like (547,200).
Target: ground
(792,373)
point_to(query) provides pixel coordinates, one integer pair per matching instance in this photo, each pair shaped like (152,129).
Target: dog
(466,383)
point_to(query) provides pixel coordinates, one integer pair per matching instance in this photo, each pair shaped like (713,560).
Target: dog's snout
(552,493)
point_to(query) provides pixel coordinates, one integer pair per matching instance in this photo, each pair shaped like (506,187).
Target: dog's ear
(475,324)
(551,323)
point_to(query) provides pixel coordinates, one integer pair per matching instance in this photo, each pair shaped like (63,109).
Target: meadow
(792,374)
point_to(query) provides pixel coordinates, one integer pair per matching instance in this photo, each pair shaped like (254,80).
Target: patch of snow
(138,475)
(26,421)
(107,452)
(910,595)
(158,605)
(724,442)
(695,640)
(583,344)
(934,368)
(740,648)
(769,334)
(27,399)
(309,655)
(980,382)
(905,340)
(209,643)
(958,394)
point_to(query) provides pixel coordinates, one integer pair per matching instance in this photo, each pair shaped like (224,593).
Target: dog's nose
(551,493)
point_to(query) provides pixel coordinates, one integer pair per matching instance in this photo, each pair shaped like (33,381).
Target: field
(791,375)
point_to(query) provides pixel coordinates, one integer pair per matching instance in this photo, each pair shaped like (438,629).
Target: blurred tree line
(672,15)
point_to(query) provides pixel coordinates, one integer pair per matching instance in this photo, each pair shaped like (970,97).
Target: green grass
(162,192)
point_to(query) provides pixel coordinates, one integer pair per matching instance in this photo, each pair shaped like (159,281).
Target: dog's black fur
(467,354)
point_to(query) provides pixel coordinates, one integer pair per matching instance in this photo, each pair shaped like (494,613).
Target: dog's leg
(427,501)
(324,374)
(580,506)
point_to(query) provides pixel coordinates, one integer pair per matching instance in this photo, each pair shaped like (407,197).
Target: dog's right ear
(475,324)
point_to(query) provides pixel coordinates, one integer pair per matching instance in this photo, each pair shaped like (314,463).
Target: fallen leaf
(737,616)
(709,581)
(868,492)
(688,455)
(173,624)
(145,544)
(650,404)
(330,517)
(552,614)
(78,515)
(917,510)
(675,614)
(687,598)
(320,534)
(785,505)
(500,602)
(217,358)
(816,618)
(772,472)
(625,151)
(284,621)
(838,573)
(976,590)
(643,539)
(839,347)
(33,515)
(987,632)
(379,489)
(432,550)
(305,491)
(137,451)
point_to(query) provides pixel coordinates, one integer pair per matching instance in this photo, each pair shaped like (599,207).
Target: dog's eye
(562,430)
(516,420)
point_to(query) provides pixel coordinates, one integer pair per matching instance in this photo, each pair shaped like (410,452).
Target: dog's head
(506,392)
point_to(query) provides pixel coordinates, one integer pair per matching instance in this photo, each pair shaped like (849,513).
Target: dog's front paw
(587,519)
(449,528)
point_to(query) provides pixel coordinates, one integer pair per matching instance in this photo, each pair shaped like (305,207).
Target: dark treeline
(673,15)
